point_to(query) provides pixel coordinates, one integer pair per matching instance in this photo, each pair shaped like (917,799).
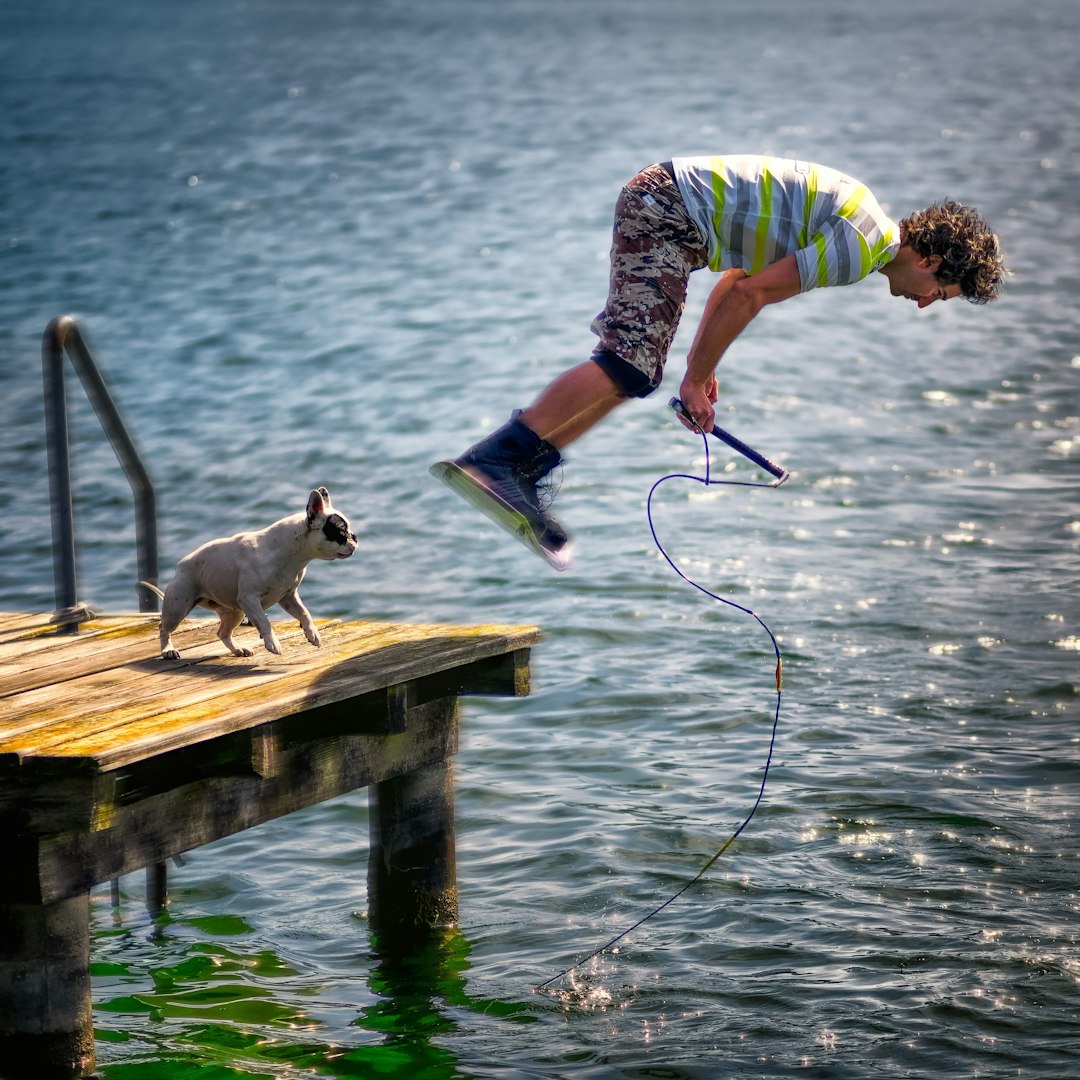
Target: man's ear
(931,262)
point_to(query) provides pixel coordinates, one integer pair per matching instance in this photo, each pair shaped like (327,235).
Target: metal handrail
(62,336)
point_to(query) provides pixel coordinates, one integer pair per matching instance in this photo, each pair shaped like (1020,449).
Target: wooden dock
(112,760)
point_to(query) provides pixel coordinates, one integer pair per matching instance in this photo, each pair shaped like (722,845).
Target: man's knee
(630,381)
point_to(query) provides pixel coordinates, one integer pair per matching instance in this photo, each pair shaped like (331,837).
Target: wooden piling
(157,889)
(46,1030)
(412,875)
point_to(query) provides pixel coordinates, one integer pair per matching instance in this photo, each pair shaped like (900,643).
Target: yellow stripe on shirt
(719,192)
(764,223)
(822,261)
(848,211)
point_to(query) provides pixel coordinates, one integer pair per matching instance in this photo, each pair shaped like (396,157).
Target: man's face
(915,279)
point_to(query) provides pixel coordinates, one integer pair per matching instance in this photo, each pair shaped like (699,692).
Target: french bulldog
(251,571)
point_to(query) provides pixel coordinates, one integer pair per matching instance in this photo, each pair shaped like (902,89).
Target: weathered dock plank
(137,705)
(24,635)
(45,666)
(125,681)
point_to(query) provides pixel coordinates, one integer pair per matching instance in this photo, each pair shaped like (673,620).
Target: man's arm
(735,300)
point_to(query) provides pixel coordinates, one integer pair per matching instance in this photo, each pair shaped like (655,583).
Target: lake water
(330,242)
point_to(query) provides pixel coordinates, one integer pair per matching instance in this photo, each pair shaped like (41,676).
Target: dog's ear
(318,504)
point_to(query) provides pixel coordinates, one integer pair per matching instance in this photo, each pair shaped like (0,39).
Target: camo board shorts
(654,249)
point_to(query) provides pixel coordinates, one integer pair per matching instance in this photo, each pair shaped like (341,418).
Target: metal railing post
(57,442)
(62,336)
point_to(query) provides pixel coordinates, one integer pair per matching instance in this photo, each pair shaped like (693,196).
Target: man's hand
(698,401)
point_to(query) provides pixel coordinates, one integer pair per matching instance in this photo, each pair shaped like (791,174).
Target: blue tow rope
(780,475)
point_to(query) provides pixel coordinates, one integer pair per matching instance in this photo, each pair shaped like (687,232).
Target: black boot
(512,461)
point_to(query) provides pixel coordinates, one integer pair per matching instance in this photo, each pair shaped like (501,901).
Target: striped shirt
(754,211)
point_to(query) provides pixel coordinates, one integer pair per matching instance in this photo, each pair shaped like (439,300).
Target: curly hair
(969,251)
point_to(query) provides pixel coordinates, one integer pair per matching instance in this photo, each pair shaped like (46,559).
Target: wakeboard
(490,503)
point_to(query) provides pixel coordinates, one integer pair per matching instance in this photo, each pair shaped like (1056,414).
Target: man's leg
(654,248)
(572,404)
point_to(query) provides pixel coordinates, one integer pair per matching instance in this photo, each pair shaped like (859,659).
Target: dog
(251,571)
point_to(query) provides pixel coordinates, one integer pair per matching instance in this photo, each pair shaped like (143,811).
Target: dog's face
(330,534)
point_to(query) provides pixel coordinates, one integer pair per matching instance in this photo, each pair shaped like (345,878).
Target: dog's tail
(152,587)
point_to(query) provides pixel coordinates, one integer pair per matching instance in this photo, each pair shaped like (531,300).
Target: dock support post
(157,889)
(46,1031)
(412,868)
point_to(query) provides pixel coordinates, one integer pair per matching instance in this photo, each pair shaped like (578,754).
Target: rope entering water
(707,481)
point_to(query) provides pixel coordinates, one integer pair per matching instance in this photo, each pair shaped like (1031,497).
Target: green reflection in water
(414,988)
(218,1012)
(220,925)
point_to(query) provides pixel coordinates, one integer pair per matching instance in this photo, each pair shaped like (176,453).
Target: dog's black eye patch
(336,529)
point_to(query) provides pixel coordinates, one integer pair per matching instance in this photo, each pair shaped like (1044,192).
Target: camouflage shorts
(655,247)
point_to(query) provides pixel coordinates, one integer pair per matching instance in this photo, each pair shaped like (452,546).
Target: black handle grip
(760,460)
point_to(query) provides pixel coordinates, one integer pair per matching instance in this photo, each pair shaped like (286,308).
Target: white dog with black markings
(251,571)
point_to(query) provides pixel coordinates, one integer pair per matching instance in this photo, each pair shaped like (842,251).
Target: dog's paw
(170,654)
(313,636)
(273,645)
(241,650)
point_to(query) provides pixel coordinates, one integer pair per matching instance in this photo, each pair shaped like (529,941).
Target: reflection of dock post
(45,1022)
(412,873)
